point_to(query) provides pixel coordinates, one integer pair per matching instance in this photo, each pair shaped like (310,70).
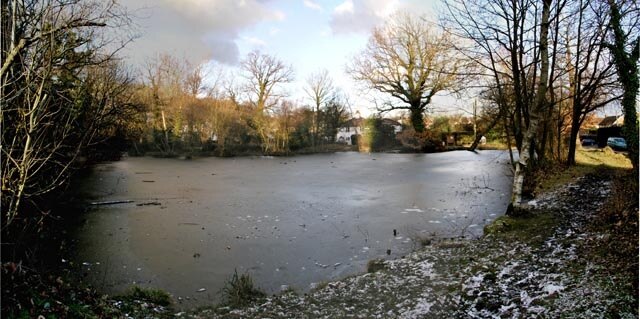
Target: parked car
(588,142)
(617,143)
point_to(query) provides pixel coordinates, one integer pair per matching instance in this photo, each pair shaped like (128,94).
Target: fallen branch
(111,202)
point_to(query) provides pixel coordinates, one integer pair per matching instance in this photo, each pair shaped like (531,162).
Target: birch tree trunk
(534,116)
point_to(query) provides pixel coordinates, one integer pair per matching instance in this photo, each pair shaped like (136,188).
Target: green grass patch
(531,228)
(156,296)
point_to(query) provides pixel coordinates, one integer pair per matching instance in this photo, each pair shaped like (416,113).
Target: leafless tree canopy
(56,90)
(264,73)
(410,61)
(320,90)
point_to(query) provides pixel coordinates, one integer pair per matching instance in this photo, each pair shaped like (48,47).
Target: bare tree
(165,85)
(319,89)
(409,61)
(591,73)
(194,79)
(264,73)
(536,113)
(47,47)
(502,38)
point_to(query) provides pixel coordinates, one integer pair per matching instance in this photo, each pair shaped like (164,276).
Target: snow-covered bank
(525,268)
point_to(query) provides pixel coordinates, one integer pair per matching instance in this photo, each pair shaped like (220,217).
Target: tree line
(537,67)
(200,108)
(68,99)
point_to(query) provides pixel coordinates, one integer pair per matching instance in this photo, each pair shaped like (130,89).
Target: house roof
(608,121)
(353,122)
(592,122)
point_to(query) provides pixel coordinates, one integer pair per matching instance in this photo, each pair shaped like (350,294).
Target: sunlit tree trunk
(534,115)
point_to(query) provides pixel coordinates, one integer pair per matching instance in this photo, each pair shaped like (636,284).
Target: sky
(309,35)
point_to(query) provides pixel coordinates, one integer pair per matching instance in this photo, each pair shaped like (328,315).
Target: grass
(532,228)
(375,265)
(240,291)
(156,296)
(587,162)
(493,145)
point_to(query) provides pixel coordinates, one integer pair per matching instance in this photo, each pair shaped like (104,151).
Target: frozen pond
(286,220)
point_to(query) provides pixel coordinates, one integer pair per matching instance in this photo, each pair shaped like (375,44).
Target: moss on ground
(532,228)
(156,296)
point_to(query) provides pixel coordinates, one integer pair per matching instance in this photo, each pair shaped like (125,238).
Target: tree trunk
(479,135)
(509,146)
(534,115)
(627,67)
(575,129)
(417,119)
(167,145)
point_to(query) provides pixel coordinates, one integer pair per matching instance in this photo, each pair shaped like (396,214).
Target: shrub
(419,142)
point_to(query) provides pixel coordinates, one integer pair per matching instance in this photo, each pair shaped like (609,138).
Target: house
(354,127)
(397,126)
(611,121)
(350,129)
(610,126)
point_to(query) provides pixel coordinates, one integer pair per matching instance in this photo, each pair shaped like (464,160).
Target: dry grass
(493,145)
(587,162)
(240,291)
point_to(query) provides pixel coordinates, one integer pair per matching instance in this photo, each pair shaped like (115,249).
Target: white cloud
(344,8)
(196,29)
(273,31)
(255,41)
(353,16)
(312,5)
(223,14)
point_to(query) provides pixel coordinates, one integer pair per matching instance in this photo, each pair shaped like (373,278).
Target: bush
(419,142)
(376,136)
